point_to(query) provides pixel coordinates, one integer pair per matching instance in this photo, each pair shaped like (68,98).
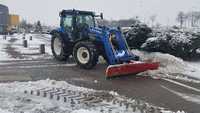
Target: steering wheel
(82,27)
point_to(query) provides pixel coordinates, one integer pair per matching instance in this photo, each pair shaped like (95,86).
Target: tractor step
(134,67)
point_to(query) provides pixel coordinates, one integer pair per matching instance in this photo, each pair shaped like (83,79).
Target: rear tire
(85,54)
(58,48)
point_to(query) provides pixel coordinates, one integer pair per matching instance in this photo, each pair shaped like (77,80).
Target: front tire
(85,54)
(58,48)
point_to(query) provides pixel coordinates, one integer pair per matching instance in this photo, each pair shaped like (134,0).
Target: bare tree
(198,19)
(189,19)
(181,18)
(152,18)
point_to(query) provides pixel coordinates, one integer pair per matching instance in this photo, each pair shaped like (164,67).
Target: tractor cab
(76,22)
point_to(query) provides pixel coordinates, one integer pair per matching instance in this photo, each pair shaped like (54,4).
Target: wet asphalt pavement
(171,94)
(158,92)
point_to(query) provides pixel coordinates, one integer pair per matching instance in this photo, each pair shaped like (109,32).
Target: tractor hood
(102,30)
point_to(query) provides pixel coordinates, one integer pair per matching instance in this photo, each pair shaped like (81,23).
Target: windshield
(86,19)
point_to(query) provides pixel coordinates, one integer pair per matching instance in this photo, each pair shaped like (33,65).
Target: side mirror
(101,15)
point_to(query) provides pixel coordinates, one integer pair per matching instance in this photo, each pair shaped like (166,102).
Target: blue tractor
(79,35)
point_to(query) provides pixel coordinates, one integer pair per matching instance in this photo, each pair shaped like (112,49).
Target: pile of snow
(14,100)
(194,69)
(169,65)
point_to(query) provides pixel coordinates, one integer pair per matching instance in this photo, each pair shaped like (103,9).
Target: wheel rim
(57,46)
(83,55)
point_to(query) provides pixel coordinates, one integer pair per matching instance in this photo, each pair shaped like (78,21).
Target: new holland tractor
(79,35)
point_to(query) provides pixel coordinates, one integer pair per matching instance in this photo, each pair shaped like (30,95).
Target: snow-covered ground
(29,53)
(195,69)
(3,54)
(33,46)
(16,98)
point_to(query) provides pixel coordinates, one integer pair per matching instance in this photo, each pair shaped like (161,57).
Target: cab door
(67,25)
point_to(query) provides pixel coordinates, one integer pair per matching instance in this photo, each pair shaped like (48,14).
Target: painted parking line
(188,97)
(181,84)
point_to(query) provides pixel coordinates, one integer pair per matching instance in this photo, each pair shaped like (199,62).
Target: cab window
(67,22)
(85,19)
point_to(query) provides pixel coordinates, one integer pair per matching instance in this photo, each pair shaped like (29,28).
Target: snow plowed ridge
(170,66)
(168,63)
(60,97)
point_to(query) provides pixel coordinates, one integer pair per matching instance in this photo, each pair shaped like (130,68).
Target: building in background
(13,23)
(4,18)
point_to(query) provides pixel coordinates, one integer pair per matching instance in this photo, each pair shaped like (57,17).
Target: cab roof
(73,11)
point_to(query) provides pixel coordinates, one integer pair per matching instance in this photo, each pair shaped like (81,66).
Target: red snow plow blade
(130,68)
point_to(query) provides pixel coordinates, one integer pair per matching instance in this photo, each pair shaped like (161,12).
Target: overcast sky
(47,10)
